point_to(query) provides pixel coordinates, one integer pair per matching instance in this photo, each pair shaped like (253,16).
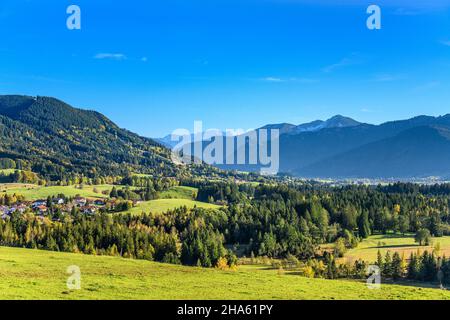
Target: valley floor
(34,274)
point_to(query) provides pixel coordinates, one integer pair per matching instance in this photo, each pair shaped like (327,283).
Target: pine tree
(404,265)
(363,225)
(396,268)
(113,193)
(379,260)
(413,267)
(387,267)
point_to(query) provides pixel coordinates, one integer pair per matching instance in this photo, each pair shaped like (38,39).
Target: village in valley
(55,207)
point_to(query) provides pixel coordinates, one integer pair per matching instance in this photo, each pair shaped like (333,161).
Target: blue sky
(154,66)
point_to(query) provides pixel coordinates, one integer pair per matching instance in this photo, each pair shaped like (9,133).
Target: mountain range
(341,147)
(413,148)
(314,126)
(55,140)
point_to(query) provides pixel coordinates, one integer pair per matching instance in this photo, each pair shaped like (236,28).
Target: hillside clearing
(163,205)
(180,192)
(34,192)
(403,244)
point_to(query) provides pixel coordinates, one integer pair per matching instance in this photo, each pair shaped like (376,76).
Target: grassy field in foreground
(33,274)
(368,248)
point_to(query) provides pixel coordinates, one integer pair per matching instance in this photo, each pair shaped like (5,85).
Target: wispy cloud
(272,79)
(345,62)
(384,3)
(291,79)
(445,43)
(387,77)
(110,56)
(427,86)
(408,12)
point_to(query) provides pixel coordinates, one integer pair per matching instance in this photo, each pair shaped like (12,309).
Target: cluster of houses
(40,207)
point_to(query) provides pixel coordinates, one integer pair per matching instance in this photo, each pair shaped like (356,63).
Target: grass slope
(180,192)
(368,248)
(163,205)
(34,192)
(174,198)
(34,274)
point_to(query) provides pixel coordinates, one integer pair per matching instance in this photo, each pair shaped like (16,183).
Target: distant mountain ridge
(408,148)
(341,147)
(419,152)
(337,121)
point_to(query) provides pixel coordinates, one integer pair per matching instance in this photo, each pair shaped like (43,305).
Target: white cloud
(144,59)
(110,56)
(408,12)
(342,63)
(291,79)
(387,77)
(272,79)
(304,80)
(446,43)
(428,86)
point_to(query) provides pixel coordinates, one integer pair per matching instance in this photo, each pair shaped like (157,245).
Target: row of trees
(419,267)
(9,199)
(181,236)
(20,177)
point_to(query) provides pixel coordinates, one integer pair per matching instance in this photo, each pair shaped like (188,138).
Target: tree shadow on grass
(414,283)
(403,282)
(399,246)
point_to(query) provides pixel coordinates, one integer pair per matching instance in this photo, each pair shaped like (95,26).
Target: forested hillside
(49,137)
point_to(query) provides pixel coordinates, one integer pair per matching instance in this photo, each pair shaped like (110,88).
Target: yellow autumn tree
(222,264)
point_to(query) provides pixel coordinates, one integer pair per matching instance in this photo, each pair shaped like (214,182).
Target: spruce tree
(364,225)
(387,267)
(380,260)
(396,268)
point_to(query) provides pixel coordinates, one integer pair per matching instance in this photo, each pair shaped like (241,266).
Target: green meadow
(403,244)
(34,192)
(34,274)
(180,192)
(163,205)
(175,197)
